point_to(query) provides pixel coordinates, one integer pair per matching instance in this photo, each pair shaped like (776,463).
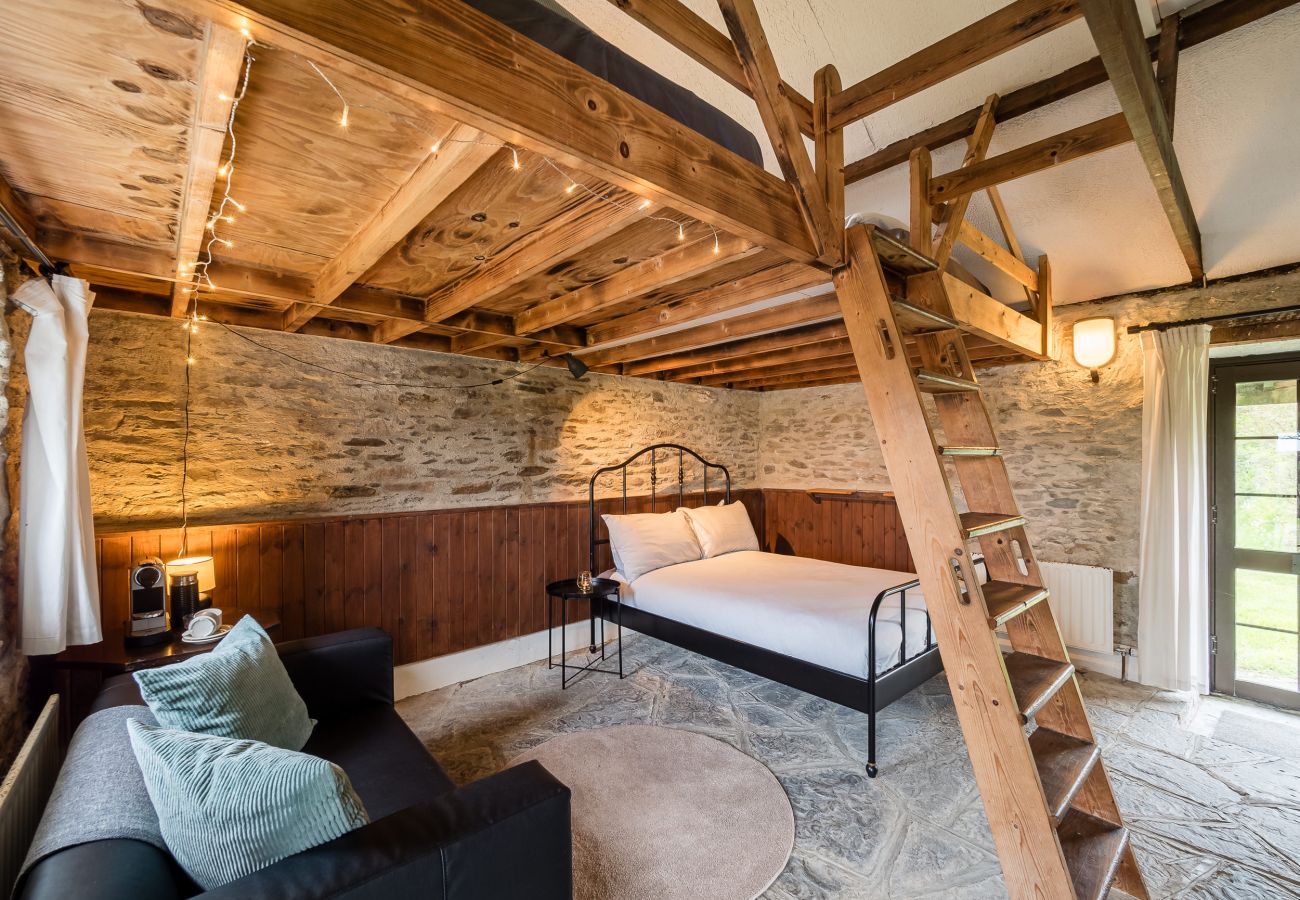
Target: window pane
(1266,657)
(1266,599)
(1266,407)
(1266,523)
(1266,466)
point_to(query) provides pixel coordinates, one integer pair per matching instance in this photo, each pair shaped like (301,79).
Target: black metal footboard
(883,688)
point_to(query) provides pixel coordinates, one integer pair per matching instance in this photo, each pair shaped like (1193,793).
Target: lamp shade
(201,566)
(1094,342)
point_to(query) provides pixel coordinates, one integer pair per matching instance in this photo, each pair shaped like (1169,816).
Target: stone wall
(1074,448)
(274,438)
(14,326)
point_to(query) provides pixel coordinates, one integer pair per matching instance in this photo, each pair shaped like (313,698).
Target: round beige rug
(660,814)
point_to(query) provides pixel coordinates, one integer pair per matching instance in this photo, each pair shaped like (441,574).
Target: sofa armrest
(505,837)
(339,671)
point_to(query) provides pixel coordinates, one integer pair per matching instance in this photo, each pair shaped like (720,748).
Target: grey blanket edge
(99,794)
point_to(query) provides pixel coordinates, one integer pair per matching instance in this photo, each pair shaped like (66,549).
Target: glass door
(1255,431)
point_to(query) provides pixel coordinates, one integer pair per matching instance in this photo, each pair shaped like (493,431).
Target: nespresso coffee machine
(148,624)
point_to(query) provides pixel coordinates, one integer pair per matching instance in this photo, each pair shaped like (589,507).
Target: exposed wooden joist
(1020,21)
(722,298)
(588,223)
(976,148)
(655,273)
(836,361)
(461,153)
(1123,48)
(222,62)
(1076,143)
(17,209)
(998,255)
(836,374)
(457,61)
(738,349)
(991,319)
(790,315)
(783,132)
(1198,27)
(680,26)
(1167,64)
(828,149)
(788,355)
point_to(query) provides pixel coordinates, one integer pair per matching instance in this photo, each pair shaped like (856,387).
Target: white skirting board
(441,671)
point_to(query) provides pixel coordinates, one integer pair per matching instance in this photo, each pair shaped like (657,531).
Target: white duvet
(806,608)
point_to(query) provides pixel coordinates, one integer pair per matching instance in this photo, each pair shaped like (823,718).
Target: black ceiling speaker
(577,368)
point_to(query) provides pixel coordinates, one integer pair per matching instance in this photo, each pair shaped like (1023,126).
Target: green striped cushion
(239,690)
(229,807)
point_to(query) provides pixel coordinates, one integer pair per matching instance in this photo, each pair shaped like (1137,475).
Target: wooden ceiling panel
(493,210)
(103,89)
(306,180)
(741,268)
(122,226)
(642,240)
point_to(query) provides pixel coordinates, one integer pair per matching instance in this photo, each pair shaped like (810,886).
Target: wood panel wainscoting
(450,580)
(858,528)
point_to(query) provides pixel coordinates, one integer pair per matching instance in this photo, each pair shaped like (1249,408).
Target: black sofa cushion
(387,764)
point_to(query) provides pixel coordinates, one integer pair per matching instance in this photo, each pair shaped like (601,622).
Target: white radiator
(25,791)
(1083,601)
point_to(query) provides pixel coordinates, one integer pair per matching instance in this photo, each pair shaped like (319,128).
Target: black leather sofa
(506,836)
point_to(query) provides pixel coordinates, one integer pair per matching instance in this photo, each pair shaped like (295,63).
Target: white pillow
(644,542)
(722,529)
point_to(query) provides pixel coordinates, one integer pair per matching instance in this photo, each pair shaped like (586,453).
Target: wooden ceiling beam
(680,26)
(588,223)
(783,132)
(457,61)
(1076,143)
(799,354)
(834,374)
(1196,28)
(836,361)
(976,149)
(1003,30)
(461,153)
(21,215)
(740,292)
(657,272)
(780,318)
(795,337)
(1000,257)
(1123,49)
(222,62)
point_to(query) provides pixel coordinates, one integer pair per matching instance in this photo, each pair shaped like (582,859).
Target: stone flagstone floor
(1210,789)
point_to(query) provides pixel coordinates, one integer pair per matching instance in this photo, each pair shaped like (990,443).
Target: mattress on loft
(549,25)
(810,609)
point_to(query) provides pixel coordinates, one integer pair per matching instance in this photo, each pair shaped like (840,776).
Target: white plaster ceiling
(1236,131)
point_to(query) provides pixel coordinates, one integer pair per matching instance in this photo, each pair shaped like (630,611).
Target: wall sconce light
(1094,343)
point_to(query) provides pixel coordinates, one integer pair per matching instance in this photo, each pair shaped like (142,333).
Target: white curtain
(1173,586)
(57,583)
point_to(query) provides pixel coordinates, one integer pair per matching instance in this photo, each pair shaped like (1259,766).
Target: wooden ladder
(1055,823)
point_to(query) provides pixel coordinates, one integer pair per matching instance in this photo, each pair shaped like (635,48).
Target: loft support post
(1033,863)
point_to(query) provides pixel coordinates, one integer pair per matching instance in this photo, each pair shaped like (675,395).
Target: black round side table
(565,591)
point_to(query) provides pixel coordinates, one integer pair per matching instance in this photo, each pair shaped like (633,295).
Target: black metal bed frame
(869,695)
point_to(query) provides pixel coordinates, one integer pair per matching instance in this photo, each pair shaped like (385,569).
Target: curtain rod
(11,224)
(1206,320)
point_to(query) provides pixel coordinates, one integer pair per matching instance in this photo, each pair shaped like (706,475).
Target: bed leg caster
(872,771)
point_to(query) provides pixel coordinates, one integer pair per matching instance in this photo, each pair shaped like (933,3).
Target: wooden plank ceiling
(362,232)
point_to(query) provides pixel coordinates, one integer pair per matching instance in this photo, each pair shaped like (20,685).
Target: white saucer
(210,639)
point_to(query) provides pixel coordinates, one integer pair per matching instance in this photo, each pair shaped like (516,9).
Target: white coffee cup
(205,623)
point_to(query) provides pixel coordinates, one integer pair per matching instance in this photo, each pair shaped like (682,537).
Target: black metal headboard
(673,450)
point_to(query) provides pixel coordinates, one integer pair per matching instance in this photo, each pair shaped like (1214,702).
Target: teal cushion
(229,807)
(239,690)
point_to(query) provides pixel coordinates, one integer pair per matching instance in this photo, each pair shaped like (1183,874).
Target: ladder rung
(970,451)
(1064,763)
(915,319)
(976,523)
(1034,679)
(935,383)
(898,256)
(1093,850)
(1006,600)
